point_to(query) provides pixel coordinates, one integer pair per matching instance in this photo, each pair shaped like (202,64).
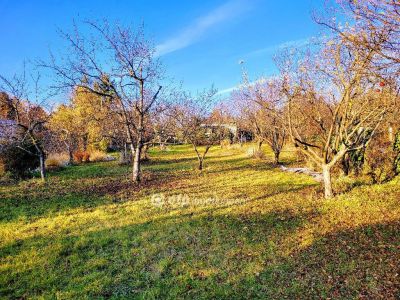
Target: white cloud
(232,88)
(300,43)
(271,49)
(197,29)
(228,90)
(239,86)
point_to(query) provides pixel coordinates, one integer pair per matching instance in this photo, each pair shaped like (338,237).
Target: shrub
(86,156)
(357,159)
(353,161)
(254,153)
(97,155)
(103,145)
(53,163)
(57,160)
(81,156)
(19,162)
(380,159)
(78,156)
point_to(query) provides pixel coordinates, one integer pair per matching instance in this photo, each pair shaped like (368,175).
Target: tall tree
(26,109)
(334,103)
(7,110)
(67,127)
(193,123)
(372,24)
(262,104)
(122,61)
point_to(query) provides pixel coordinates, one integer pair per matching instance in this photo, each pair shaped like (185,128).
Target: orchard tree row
(336,101)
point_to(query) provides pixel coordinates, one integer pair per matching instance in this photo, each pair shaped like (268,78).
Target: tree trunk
(125,152)
(276,157)
(85,142)
(144,154)
(70,152)
(346,165)
(42,166)
(70,157)
(42,157)
(136,164)
(326,173)
(140,129)
(200,164)
(259,145)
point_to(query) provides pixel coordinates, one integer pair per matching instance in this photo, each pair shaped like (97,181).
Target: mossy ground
(240,229)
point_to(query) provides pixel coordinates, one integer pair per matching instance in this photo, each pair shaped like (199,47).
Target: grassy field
(240,229)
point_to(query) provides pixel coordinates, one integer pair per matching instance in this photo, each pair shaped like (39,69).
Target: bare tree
(262,103)
(28,113)
(67,126)
(334,102)
(191,116)
(373,24)
(164,130)
(251,116)
(121,61)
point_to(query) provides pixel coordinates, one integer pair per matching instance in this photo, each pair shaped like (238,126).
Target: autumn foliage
(81,156)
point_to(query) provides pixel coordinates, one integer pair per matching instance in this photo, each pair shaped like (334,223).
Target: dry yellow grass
(57,160)
(97,155)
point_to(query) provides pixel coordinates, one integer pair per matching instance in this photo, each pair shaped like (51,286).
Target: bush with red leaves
(81,156)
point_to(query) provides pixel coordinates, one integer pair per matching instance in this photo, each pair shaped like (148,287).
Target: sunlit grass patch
(245,230)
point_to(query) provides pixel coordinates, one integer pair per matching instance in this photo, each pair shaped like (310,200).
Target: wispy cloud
(260,80)
(228,90)
(237,87)
(199,28)
(300,43)
(272,49)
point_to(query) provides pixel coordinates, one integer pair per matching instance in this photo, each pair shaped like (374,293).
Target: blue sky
(200,42)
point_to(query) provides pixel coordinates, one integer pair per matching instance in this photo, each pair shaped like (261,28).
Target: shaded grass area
(245,230)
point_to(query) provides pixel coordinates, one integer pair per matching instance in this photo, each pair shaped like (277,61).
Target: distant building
(236,134)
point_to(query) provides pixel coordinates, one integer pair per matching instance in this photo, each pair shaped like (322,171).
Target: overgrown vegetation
(19,162)
(246,230)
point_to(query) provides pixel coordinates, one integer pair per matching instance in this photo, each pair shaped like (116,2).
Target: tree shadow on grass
(90,170)
(104,183)
(181,256)
(207,256)
(32,199)
(359,263)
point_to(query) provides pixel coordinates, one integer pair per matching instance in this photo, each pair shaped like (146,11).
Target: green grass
(247,230)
